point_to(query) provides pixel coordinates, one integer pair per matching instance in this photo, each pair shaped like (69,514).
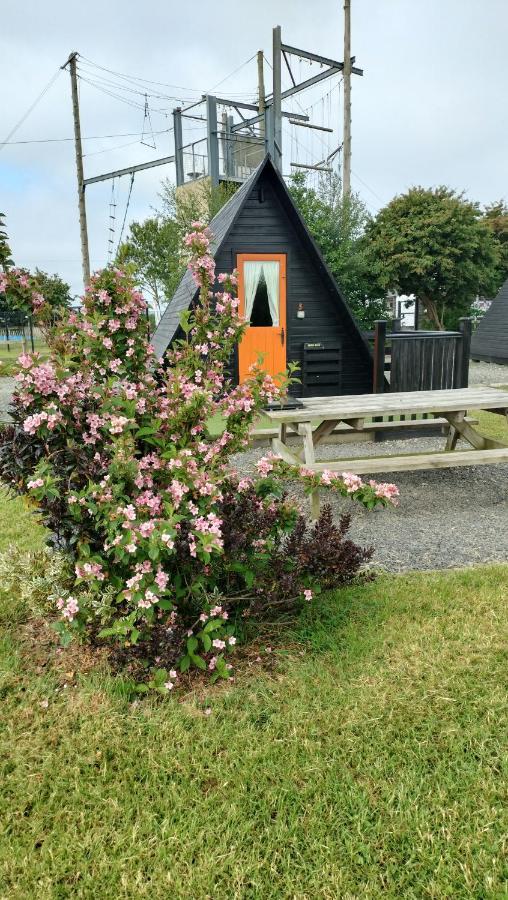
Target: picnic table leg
(460,428)
(310,459)
(453,436)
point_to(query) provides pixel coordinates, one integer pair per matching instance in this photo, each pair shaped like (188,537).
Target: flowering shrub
(168,545)
(21,290)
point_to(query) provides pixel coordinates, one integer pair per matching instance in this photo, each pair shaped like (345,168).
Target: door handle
(282,336)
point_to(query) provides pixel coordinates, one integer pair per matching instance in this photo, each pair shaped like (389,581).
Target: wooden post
(417,314)
(379,356)
(31,328)
(85,255)
(461,374)
(346,168)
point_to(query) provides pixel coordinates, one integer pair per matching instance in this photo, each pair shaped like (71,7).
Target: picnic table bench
(317,417)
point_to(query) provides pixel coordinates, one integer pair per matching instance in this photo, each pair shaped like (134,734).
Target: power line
(125,87)
(247,61)
(179,87)
(128,102)
(31,108)
(92,137)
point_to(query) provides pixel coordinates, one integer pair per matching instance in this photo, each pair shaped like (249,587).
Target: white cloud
(429,110)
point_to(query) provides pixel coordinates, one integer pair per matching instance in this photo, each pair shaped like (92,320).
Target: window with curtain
(261,287)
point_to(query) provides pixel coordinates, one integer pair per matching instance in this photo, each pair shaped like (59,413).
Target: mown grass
(8,357)
(369,760)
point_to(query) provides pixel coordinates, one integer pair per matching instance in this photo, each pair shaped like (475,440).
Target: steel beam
(119,172)
(315,57)
(277,97)
(177,125)
(285,115)
(212,139)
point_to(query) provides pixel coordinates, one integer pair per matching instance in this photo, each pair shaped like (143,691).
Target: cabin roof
(490,340)
(220,226)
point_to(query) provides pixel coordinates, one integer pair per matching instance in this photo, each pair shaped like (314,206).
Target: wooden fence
(421,360)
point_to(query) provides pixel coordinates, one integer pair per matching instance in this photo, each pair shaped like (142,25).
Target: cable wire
(126,210)
(30,108)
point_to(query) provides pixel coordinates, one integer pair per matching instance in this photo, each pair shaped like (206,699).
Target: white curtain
(271,273)
(251,275)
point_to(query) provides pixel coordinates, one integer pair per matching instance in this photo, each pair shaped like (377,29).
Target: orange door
(262,295)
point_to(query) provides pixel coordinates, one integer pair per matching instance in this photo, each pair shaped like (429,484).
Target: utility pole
(261,93)
(346,167)
(85,255)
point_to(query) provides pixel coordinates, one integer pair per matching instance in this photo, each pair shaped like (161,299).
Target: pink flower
(161,579)
(69,607)
(308,595)
(36,483)
(352,482)
(265,464)
(388,492)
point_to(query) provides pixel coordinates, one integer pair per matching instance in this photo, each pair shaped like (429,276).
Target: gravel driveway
(6,389)
(446,517)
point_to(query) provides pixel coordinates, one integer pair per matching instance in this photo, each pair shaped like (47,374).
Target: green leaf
(185,663)
(198,661)
(207,641)
(165,604)
(212,625)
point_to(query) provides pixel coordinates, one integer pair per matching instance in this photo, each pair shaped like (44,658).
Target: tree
(338,226)
(5,250)
(496,217)
(152,251)
(55,290)
(436,245)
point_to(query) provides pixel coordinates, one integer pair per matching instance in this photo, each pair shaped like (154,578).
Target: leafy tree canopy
(496,217)
(55,290)
(338,226)
(5,250)
(438,246)
(152,251)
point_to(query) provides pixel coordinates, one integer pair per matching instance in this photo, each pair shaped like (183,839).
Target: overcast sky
(431,108)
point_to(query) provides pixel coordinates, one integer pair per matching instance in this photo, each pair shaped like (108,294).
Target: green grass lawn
(364,757)
(8,358)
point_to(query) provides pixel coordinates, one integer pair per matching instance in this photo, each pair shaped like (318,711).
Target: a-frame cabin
(490,340)
(294,306)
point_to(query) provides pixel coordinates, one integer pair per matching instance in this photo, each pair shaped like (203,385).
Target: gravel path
(446,518)
(487,373)
(6,389)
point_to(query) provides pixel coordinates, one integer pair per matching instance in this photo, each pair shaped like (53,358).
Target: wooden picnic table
(318,417)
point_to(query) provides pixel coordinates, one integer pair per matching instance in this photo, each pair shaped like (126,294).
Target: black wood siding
(490,340)
(265,227)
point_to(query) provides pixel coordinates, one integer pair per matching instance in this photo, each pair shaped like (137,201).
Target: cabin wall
(490,340)
(265,227)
